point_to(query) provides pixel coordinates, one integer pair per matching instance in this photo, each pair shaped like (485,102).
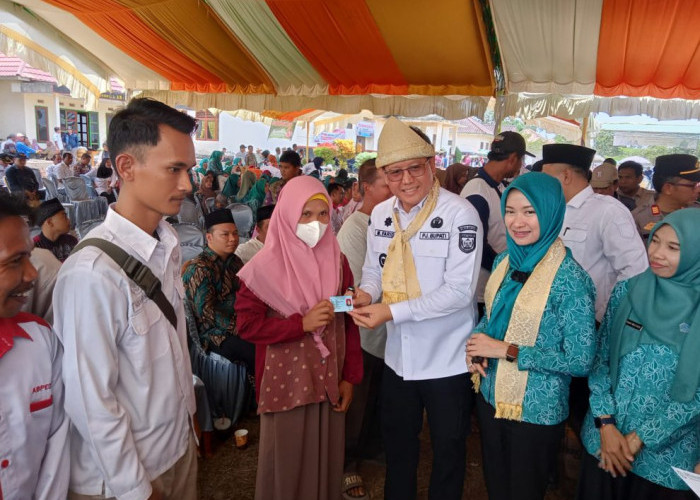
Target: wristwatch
(512,352)
(601,421)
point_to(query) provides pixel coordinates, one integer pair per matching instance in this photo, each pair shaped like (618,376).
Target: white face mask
(311,232)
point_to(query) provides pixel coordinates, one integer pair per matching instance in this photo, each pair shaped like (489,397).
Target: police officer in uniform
(420,274)
(675,180)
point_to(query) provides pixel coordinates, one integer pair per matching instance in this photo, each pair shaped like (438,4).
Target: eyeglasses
(396,174)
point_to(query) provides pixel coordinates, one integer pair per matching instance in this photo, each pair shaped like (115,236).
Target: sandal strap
(352,481)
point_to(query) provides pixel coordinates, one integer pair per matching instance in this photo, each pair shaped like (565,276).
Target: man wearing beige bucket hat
(420,274)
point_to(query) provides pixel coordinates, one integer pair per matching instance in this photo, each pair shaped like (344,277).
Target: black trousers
(235,348)
(448,403)
(362,424)
(596,484)
(518,456)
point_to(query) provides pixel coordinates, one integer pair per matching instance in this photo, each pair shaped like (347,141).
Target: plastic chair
(52,191)
(85,227)
(210,203)
(76,189)
(229,390)
(244,219)
(191,213)
(86,208)
(191,239)
(40,180)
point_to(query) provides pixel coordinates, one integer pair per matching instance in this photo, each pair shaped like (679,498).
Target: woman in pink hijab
(307,357)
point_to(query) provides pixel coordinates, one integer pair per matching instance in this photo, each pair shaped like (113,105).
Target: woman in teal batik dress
(538,332)
(645,395)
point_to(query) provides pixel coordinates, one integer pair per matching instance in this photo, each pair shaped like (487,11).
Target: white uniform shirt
(603,238)
(489,208)
(34,455)
(352,239)
(63,171)
(427,337)
(126,369)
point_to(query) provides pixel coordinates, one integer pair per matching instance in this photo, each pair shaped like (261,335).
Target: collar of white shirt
(142,243)
(398,207)
(581,197)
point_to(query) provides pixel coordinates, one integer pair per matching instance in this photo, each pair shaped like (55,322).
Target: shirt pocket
(149,340)
(575,235)
(436,248)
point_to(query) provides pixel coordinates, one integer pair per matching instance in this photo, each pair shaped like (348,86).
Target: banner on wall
(364,129)
(281,129)
(338,133)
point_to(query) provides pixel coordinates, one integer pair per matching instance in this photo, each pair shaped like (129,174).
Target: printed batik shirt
(211,285)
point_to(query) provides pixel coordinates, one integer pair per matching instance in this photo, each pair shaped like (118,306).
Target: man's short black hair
(86,155)
(611,161)
(12,206)
(637,167)
(291,157)
(138,125)
(367,173)
(332,188)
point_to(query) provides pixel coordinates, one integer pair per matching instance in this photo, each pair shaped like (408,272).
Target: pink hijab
(286,274)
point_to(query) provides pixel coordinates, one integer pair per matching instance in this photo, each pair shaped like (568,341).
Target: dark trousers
(596,484)
(518,456)
(235,349)
(362,424)
(448,402)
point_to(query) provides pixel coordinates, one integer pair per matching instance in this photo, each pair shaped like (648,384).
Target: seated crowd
(561,297)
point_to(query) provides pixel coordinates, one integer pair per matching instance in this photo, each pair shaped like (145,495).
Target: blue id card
(342,303)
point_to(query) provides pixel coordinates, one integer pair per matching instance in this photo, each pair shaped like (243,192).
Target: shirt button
(5,464)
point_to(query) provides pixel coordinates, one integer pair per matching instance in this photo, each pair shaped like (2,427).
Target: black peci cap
(579,157)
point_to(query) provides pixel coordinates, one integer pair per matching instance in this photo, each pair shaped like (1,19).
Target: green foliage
(458,155)
(604,145)
(328,154)
(345,151)
(363,157)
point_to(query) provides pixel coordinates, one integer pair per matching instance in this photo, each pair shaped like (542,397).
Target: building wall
(473,143)
(18,113)
(12,118)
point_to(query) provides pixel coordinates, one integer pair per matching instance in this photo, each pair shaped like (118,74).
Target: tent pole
(584,130)
(307,142)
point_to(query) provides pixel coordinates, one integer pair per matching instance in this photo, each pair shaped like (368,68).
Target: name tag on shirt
(434,236)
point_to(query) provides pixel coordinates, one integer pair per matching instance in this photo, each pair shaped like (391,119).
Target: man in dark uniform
(675,180)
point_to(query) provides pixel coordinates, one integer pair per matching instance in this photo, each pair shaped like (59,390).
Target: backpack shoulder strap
(137,272)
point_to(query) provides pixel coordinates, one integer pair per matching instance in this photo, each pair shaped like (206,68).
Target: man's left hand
(345,389)
(371,316)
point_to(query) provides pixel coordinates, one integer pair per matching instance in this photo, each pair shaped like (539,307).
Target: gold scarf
(399,277)
(523,327)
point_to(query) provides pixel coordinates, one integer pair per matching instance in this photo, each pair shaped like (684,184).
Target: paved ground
(230,473)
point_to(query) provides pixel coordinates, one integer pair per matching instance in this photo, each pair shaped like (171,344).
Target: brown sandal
(353,480)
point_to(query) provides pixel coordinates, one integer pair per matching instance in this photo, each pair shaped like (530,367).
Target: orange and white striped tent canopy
(408,57)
